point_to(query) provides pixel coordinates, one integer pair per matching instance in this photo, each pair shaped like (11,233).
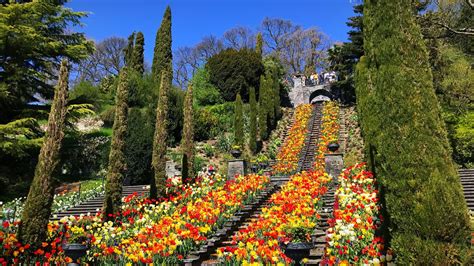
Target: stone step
(464,171)
(320,240)
(313,262)
(317,252)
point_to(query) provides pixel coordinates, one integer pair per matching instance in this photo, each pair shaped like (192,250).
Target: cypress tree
(163,56)
(129,50)
(253,121)
(344,57)
(259,45)
(161,67)
(262,109)
(270,102)
(188,136)
(138,53)
(184,169)
(406,139)
(160,137)
(276,95)
(37,209)
(117,165)
(238,122)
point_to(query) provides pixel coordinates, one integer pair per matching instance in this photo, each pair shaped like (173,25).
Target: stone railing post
(334,161)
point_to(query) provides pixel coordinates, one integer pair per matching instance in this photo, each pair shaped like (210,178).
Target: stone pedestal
(334,164)
(235,167)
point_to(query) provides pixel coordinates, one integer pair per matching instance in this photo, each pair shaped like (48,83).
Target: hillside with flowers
(270,145)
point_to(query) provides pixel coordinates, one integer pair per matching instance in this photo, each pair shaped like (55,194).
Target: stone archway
(320,95)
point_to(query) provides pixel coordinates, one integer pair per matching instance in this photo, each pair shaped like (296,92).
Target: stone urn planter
(297,251)
(333,147)
(75,251)
(236,153)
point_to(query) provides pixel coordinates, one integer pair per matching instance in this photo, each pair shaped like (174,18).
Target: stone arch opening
(320,95)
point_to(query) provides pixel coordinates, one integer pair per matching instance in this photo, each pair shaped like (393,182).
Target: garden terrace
(244,148)
(94,205)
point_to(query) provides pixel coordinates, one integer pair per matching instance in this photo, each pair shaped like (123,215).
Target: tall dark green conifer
(117,164)
(343,58)
(188,136)
(163,56)
(276,94)
(162,72)
(129,50)
(262,109)
(253,121)
(37,209)
(238,121)
(406,140)
(160,138)
(269,101)
(259,45)
(138,53)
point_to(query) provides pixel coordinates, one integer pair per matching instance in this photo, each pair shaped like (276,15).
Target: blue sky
(192,20)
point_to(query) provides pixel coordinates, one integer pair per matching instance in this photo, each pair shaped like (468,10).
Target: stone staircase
(207,255)
(311,142)
(319,235)
(92,206)
(279,180)
(467,181)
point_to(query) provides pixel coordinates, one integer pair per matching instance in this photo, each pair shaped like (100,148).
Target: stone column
(235,167)
(334,164)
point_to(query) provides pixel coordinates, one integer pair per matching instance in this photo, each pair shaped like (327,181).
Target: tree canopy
(234,72)
(33,40)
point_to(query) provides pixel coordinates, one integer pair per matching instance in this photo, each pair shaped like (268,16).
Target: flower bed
(145,231)
(329,132)
(352,236)
(287,158)
(12,210)
(293,207)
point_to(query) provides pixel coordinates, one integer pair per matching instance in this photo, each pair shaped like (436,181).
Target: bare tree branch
(239,37)
(463,31)
(107,60)
(470,3)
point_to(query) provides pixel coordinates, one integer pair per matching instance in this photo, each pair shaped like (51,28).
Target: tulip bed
(351,237)
(295,206)
(329,132)
(287,158)
(12,210)
(145,231)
